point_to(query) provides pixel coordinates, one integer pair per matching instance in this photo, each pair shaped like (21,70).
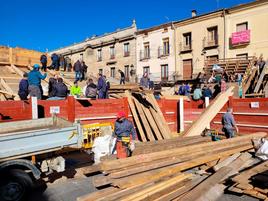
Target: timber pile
(253,182)
(148,118)
(161,175)
(121,88)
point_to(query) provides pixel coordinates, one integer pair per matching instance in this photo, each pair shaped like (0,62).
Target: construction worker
(34,79)
(76,90)
(229,124)
(125,135)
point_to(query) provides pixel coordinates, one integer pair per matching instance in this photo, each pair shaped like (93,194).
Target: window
(146,50)
(164,72)
(112,52)
(99,55)
(166,46)
(146,69)
(112,72)
(127,72)
(100,70)
(242,27)
(81,57)
(126,49)
(187,41)
(212,36)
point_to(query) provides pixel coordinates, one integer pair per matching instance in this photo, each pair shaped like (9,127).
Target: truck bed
(25,138)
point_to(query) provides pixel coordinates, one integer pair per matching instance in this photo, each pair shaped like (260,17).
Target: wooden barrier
(248,117)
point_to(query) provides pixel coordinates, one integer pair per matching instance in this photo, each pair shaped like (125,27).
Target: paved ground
(68,190)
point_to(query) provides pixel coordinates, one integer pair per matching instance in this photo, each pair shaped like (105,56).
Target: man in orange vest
(125,135)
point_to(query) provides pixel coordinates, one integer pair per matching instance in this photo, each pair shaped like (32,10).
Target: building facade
(155,52)
(197,39)
(107,54)
(246,30)
(240,31)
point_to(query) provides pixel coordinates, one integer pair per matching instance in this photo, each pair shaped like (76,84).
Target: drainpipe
(175,50)
(224,29)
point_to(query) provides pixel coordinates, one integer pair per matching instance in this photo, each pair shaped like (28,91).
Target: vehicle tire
(15,185)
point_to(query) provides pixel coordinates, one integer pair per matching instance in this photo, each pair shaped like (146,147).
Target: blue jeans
(77,75)
(229,132)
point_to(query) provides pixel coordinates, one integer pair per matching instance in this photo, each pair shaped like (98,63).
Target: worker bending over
(125,135)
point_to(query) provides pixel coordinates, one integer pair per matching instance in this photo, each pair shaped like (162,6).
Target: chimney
(194,13)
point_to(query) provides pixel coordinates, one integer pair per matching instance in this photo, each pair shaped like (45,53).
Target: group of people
(30,85)
(57,62)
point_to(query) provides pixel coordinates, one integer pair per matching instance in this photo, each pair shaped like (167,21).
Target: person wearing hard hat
(34,79)
(125,135)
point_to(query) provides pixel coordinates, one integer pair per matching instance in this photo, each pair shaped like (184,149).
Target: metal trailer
(21,144)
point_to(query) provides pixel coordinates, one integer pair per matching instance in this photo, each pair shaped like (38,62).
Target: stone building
(107,53)
(155,52)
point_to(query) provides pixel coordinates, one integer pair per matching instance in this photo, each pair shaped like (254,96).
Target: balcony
(163,52)
(210,43)
(144,55)
(240,38)
(126,54)
(185,48)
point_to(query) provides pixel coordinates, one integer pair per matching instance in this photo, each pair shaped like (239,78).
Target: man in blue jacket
(23,87)
(34,79)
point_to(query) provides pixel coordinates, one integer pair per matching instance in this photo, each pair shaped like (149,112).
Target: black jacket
(61,90)
(77,66)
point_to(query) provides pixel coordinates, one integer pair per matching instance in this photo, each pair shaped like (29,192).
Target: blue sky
(41,24)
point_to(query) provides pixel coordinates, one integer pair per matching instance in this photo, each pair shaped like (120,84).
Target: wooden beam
(134,160)
(152,122)
(144,121)
(260,80)
(223,173)
(150,193)
(167,133)
(248,82)
(8,89)
(208,114)
(17,70)
(135,116)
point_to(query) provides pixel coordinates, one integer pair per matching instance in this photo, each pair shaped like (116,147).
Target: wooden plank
(158,146)
(152,122)
(8,89)
(134,160)
(135,116)
(180,190)
(208,114)
(169,161)
(17,70)
(170,170)
(260,80)
(159,117)
(226,162)
(154,191)
(223,173)
(144,121)
(248,82)
(167,133)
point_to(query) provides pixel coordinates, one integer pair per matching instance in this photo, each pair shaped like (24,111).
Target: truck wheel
(15,185)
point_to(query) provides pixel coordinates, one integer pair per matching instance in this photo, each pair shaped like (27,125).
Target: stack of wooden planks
(148,118)
(167,174)
(253,182)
